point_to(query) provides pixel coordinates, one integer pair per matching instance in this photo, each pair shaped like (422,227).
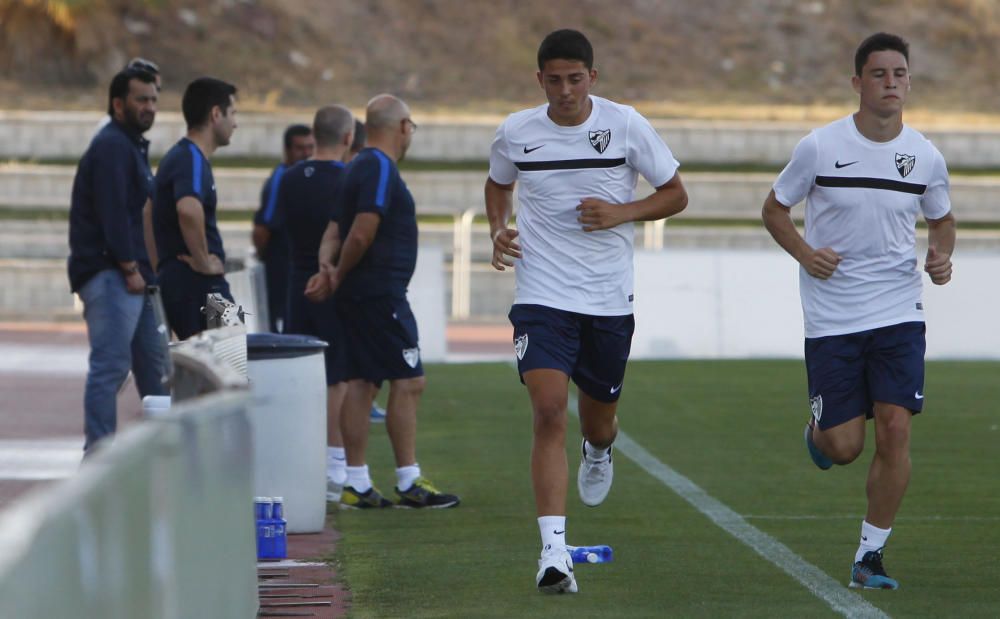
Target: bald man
(377,229)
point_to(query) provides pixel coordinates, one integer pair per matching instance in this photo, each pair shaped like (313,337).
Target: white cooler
(288,417)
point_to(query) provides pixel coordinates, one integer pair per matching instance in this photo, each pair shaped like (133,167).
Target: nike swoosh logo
(615,390)
(864,539)
(559,532)
(918,395)
(839,165)
(531,150)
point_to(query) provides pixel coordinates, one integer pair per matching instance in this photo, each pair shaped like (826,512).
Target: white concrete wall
(427,299)
(712,195)
(65,135)
(693,303)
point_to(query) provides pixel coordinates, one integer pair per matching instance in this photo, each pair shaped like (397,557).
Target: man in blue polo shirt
(305,205)
(377,226)
(109,266)
(188,243)
(270,239)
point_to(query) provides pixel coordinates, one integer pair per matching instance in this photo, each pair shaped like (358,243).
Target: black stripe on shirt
(568,164)
(870,183)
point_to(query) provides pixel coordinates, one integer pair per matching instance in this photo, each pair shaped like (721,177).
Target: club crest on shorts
(816,404)
(520,345)
(411,356)
(905,163)
(600,139)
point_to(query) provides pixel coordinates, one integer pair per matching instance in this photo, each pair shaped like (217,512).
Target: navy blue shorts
(319,320)
(381,337)
(183,292)
(848,373)
(591,350)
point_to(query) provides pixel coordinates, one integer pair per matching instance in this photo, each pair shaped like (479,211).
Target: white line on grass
(860,516)
(808,575)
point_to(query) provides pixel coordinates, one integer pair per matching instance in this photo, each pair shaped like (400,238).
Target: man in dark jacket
(109,265)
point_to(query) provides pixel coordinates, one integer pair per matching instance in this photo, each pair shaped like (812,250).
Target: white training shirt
(556,167)
(862,200)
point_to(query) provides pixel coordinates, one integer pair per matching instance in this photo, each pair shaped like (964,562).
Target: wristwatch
(130,270)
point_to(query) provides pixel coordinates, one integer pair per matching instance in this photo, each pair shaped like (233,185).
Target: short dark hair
(566,45)
(359,136)
(120,85)
(296,131)
(201,96)
(879,42)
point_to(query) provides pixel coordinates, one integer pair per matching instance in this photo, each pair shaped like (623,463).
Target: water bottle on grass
(590,554)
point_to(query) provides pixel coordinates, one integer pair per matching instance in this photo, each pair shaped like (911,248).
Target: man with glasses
(139,64)
(377,230)
(109,265)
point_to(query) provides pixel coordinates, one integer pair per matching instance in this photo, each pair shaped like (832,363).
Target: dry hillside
(478,55)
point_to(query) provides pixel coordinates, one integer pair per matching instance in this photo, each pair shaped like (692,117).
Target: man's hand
(332,275)
(318,288)
(134,282)
(821,263)
(211,266)
(938,266)
(597,214)
(504,245)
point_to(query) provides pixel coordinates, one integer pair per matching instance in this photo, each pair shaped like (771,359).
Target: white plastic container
(288,417)
(154,406)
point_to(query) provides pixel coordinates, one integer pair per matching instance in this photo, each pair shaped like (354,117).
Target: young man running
(576,158)
(865,179)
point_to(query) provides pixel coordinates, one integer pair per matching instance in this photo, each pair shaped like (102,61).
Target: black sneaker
(352,499)
(869,573)
(423,494)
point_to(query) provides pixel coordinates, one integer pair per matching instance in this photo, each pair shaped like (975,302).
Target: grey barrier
(156,524)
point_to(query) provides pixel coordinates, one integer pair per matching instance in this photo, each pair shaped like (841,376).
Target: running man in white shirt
(577,159)
(865,179)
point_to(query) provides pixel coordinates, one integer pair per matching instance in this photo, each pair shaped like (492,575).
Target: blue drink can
(278,508)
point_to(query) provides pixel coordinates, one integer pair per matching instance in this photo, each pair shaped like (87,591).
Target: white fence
(745,304)
(65,135)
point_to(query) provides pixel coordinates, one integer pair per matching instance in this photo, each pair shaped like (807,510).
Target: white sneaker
(555,571)
(333,491)
(593,480)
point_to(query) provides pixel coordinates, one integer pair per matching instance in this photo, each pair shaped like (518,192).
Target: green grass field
(732,427)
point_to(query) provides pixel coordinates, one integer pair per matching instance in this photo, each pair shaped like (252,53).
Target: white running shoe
(555,571)
(593,480)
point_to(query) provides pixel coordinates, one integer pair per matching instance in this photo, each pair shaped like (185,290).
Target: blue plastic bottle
(264,512)
(590,554)
(279,523)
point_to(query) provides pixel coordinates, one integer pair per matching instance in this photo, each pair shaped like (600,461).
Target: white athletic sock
(872,538)
(406,475)
(336,464)
(357,478)
(553,530)
(595,453)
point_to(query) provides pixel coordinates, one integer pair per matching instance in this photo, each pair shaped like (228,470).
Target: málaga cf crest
(905,163)
(521,345)
(600,139)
